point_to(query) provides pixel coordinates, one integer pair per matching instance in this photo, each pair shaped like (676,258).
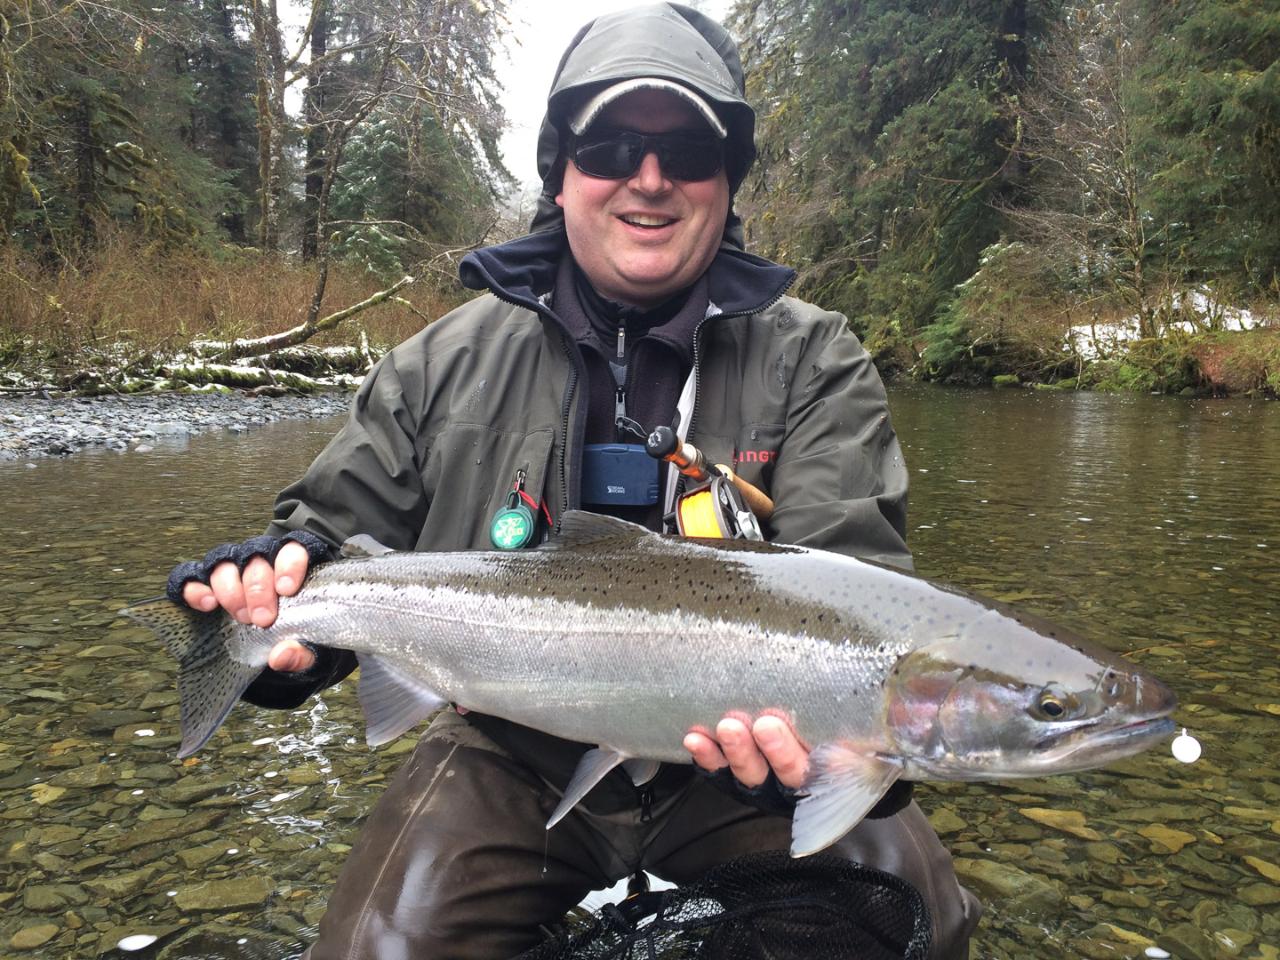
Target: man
(631,291)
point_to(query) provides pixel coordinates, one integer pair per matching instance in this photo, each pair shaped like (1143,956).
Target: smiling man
(631,297)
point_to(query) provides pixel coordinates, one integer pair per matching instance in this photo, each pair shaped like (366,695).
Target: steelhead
(616,636)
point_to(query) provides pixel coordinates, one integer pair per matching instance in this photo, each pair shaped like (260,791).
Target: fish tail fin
(210,681)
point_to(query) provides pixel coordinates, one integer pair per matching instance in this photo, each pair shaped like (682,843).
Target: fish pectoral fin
(842,786)
(393,702)
(362,545)
(641,771)
(591,769)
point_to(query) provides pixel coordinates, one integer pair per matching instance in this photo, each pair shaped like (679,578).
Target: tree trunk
(313,109)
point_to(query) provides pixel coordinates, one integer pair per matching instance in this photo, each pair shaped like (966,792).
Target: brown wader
(455,862)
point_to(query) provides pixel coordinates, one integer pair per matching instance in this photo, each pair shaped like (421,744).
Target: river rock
(122,886)
(1259,894)
(225,894)
(105,721)
(162,830)
(1268,870)
(28,938)
(192,788)
(106,651)
(86,775)
(50,897)
(1022,892)
(944,821)
(1187,942)
(1171,840)
(1068,821)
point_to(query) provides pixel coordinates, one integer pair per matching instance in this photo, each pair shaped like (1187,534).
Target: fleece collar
(524,272)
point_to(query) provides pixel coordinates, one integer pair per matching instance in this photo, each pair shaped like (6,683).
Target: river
(1151,524)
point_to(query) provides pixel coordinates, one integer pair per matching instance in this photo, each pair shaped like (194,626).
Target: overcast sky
(540,29)
(544,29)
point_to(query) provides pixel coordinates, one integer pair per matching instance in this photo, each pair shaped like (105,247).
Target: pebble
(28,938)
(31,427)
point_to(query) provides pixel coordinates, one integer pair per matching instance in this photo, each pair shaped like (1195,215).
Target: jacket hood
(666,40)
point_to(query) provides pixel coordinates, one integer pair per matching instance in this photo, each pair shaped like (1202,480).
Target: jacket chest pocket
(468,476)
(755,451)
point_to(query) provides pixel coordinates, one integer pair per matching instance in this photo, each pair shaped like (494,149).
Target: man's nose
(649,178)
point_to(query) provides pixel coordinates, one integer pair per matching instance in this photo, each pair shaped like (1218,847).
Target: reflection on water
(1150,524)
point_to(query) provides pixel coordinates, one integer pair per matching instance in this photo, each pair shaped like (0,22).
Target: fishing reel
(719,504)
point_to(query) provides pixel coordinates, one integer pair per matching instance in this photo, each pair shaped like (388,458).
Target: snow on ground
(1093,341)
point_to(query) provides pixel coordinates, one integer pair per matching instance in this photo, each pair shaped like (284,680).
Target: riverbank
(32,427)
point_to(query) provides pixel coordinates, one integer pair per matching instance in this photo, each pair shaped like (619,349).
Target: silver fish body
(615,636)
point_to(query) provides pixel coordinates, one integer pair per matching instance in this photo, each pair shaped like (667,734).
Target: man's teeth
(646,220)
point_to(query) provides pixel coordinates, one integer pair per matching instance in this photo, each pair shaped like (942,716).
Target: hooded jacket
(443,424)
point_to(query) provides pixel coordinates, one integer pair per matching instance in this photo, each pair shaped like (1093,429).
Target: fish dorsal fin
(842,785)
(393,703)
(363,545)
(591,769)
(579,527)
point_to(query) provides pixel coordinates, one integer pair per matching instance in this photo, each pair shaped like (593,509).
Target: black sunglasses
(615,154)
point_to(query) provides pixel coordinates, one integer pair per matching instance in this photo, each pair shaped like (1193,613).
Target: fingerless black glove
(265,546)
(777,800)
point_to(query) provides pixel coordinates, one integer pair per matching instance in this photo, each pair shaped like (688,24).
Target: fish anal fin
(362,545)
(592,768)
(842,785)
(393,703)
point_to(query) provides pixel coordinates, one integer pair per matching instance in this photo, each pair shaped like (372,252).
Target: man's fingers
(259,581)
(705,751)
(745,759)
(225,581)
(291,568)
(198,596)
(781,749)
(289,656)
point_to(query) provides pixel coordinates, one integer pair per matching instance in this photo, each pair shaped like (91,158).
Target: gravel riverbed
(31,427)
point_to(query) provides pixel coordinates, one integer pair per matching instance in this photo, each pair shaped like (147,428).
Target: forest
(1070,195)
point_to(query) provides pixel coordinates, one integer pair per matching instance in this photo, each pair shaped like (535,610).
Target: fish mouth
(1118,741)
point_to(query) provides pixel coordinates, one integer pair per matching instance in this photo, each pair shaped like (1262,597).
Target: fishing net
(763,906)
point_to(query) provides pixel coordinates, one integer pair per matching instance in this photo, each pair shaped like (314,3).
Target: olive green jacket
(441,426)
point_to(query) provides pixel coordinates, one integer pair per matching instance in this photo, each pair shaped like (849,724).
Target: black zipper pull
(646,803)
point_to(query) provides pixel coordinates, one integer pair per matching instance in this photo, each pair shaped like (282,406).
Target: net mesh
(763,906)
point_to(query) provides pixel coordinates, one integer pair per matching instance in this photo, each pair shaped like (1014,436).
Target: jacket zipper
(539,306)
(697,358)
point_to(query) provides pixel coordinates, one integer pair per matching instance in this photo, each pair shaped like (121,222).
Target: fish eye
(1055,703)
(1051,706)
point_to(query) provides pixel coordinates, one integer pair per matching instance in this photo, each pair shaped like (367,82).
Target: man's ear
(560,198)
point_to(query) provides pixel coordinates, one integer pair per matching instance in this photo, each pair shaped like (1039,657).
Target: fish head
(1006,696)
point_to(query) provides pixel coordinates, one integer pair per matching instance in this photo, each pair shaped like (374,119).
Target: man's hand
(254,598)
(750,752)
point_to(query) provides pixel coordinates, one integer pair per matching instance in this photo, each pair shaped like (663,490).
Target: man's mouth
(651,220)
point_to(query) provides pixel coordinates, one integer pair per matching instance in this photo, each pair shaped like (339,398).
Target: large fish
(616,636)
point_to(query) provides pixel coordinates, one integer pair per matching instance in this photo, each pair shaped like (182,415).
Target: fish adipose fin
(842,786)
(393,703)
(210,681)
(592,768)
(362,545)
(641,771)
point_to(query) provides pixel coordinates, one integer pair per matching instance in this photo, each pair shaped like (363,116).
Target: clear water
(1150,524)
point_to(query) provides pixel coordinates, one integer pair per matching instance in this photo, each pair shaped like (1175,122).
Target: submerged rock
(225,894)
(28,938)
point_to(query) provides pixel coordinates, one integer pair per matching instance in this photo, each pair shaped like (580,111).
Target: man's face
(642,238)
